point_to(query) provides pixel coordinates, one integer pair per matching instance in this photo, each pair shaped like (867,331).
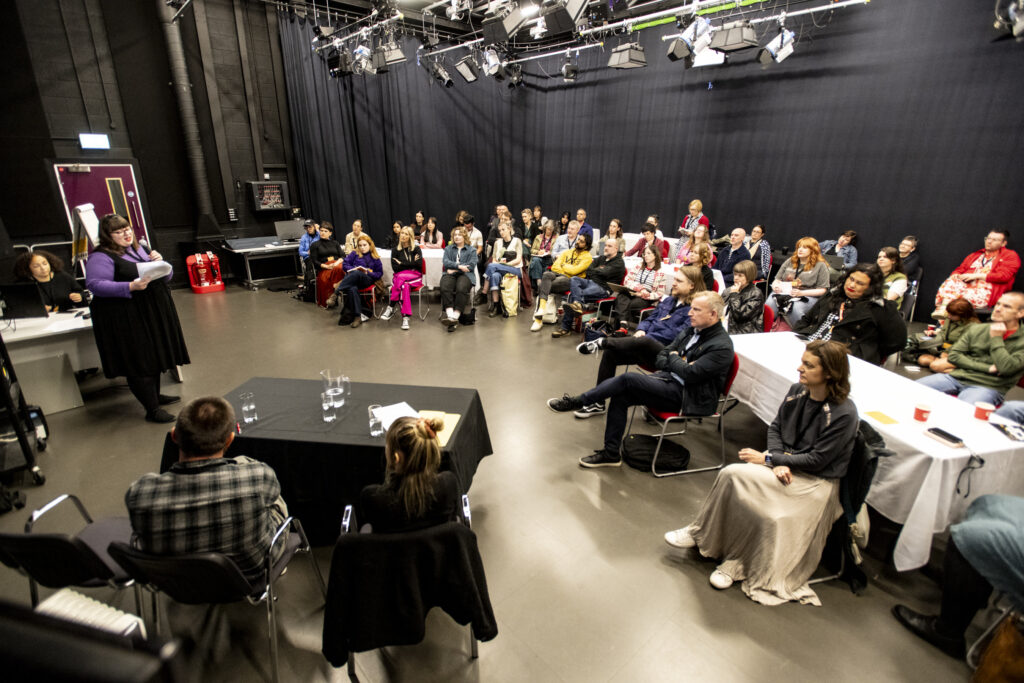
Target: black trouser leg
(462,288)
(964,592)
(147,391)
(657,391)
(626,351)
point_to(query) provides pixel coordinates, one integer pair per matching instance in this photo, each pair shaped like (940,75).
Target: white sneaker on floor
(720,580)
(388,312)
(537,324)
(681,538)
(405,322)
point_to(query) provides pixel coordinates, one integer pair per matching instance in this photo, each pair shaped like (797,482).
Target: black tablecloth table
(323,466)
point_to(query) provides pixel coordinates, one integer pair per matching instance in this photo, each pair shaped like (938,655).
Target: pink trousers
(401,285)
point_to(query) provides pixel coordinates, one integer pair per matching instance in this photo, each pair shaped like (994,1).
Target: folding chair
(769,318)
(664,418)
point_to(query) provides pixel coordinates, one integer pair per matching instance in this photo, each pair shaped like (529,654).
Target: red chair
(418,291)
(714,284)
(666,417)
(370,294)
(769,318)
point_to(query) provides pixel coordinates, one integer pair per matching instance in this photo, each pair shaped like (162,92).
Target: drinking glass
(248,407)
(376,426)
(327,404)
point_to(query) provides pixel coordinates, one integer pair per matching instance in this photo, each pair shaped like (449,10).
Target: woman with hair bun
(414,494)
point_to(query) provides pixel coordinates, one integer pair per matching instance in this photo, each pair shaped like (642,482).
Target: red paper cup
(982,410)
(921,412)
(931,328)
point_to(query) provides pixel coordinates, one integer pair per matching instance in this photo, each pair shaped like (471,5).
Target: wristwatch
(768,459)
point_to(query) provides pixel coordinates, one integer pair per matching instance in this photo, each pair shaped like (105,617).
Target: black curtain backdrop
(898,117)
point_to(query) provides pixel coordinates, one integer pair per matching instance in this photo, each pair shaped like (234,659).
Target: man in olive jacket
(692,372)
(989,358)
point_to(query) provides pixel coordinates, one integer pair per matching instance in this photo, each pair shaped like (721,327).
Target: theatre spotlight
(570,71)
(628,56)
(515,76)
(538,30)
(468,69)
(441,74)
(492,63)
(739,35)
(780,47)
(339,64)
(695,39)
(361,63)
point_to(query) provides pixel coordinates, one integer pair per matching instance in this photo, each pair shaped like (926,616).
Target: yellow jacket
(572,262)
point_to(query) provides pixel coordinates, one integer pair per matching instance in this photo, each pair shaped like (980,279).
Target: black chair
(909,303)
(214,579)
(59,560)
(841,554)
(381,587)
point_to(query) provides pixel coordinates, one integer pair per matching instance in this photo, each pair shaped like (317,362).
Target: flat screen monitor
(22,300)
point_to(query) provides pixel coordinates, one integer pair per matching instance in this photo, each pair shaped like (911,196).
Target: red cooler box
(204,272)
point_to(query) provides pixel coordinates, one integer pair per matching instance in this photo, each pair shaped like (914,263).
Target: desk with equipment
(927,485)
(323,466)
(261,249)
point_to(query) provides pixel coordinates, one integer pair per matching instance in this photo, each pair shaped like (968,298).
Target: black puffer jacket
(871,328)
(746,310)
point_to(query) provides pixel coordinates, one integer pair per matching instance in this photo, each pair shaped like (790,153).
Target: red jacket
(1004,270)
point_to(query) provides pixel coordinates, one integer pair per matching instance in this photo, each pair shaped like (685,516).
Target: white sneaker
(388,312)
(405,322)
(364,317)
(681,538)
(537,324)
(587,348)
(720,580)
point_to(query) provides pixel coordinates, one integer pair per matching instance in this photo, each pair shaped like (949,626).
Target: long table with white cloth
(917,487)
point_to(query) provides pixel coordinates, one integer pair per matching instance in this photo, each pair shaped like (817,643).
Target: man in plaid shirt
(206,502)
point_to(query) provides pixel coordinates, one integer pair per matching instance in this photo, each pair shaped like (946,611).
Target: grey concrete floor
(583,586)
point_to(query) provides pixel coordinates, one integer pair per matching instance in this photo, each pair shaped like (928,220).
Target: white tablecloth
(917,486)
(431,279)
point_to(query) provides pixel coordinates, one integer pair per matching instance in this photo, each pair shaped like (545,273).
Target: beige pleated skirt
(767,535)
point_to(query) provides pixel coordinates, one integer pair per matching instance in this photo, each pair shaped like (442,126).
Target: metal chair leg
(352,667)
(472,644)
(272,628)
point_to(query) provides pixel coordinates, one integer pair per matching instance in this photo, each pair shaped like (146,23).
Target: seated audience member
(983,276)
(326,256)
(538,215)
(988,359)
(744,301)
(562,226)
(644,285)
(1012,410)
(655,220)
(506,258)
(585,227)
(475,239)
(692,372)
(933,351)
(736,253)
(614,233)
(766,519)
(665,323)
(414,494)
(407,269)
(431,237)
(855,314)
(685,246)
(803,278)
(352,237)
(58,289)
(908,254)
(985,551)
(894,278)
(459,277)
(540,252)
(845,248)
(556,281)
(649,239)
(502,215)
(567,240)
(531,228)
(760,251)
(362,269)
(419,223)
(206,502)
(312,235)
(695,218)
(592,286)
(700,256)
(393,238)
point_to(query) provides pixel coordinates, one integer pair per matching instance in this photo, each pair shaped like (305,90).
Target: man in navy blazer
(736,253)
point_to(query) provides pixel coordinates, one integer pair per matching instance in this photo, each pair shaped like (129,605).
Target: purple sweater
(367,261)
(99,274)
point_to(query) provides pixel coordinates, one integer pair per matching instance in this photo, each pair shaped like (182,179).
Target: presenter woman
(133,319)
(414,494)
(766,519)
(58,289)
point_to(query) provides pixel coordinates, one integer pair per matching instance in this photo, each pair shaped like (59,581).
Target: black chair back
(55,560)
(193,579)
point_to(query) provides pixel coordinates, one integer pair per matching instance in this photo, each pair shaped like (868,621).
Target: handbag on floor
(638,452)
(510,294)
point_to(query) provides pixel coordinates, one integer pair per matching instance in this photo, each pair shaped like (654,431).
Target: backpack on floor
(510,294)
(638,452)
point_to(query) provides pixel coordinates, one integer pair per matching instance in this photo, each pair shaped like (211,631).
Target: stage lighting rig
(778,48)
(468,69)
(694,40)
(440,74)
(515,76)
(569,70)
